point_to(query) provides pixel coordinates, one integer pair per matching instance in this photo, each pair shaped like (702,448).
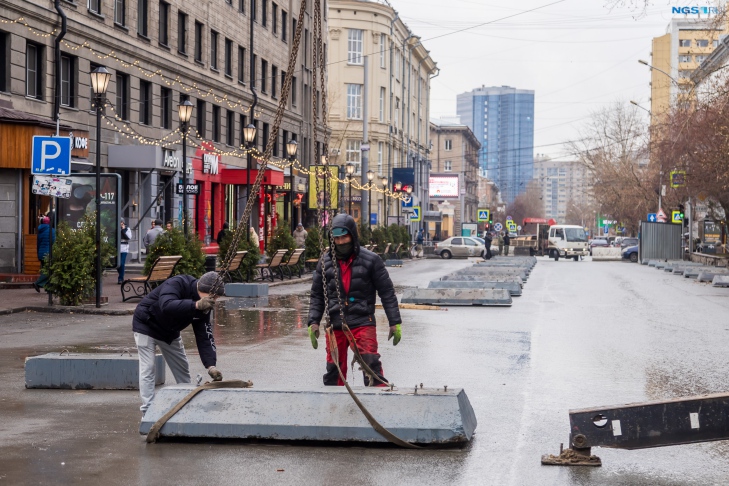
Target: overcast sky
(577,55)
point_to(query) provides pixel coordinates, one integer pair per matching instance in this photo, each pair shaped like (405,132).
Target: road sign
(498,227)
(678,178)
(191,189)
(483,215)
(661,216)
(518,228)
(652,217)
(364,147)
(608,222)
(51,186)
(606,229)
(373,218)
(51,155)
(407,202)
(676,217)
(509,218)
(416,215)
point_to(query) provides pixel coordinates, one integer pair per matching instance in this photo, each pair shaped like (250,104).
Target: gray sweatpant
(175,357)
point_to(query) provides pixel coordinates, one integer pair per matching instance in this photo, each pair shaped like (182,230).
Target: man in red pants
(362,275)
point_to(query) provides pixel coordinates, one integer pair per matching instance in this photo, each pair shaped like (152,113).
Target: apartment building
(391,97)
(563,183)
(160,53)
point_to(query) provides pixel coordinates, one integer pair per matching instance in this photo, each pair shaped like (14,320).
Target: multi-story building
(391,97)
(454,177)
(564,184)
(675,56)
(502,118)
(160,53)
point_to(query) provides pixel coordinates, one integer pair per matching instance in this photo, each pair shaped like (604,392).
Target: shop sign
(171,160)
(210,163)
(191,189)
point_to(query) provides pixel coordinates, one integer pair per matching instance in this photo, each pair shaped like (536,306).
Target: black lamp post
(184,110)
(291,148)
(383,179)
(398,188)
(99,82)
(249,137)
(350,173)
(409,190)
(370,176)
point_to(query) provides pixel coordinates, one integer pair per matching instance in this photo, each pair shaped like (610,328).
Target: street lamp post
(409,190)
(325,163)
(398,188)
(249,137)
(350,173)
(291,148)
(184,110)
(370,176)
(383,179)
(99,82)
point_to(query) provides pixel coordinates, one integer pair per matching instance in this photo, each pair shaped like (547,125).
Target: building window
(383,56)
(684,43)
(702,43)
(684,58)
(354,101)
(242,6)
(165,105)
(266,135)
(354,46)
(284,24)
(198,41)
(264,12)
(142,17)
(254,9)
(4,60)
(122,96)
(145,102)
(95,6)
(293,90)
(448,145)
(274,18)
(264,75)
(216,123)
(283,79)
(380,156)
(447,166)
(701,58)
(34,71)
(685,74)
(396,55)
(182,32)
(715,43)
(120,12)
(230,127)
(274,79)
(354,155)
(200,118)
(228,57)
(241,64)
(397,112)
(243,123)
(164,23)
(382,104)
(213,50)
(68,81)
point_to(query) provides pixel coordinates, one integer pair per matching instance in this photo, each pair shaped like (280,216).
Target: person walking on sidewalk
(487,238)
(152,234)
(507,243)
(501,242)
(300,235)
(45,238)
(158,319)
(419,240)
(362,275)
(126,235)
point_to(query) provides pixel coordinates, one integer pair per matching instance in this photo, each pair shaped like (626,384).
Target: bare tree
(527,204)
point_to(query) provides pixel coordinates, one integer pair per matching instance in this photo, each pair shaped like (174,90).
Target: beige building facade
(563,184)
(454,155)
(392,98)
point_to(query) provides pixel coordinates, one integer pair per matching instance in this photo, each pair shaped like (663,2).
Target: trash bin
(210,263)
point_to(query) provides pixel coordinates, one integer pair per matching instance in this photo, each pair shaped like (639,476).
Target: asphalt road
(583,334)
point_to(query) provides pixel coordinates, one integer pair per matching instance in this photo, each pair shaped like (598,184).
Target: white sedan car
(459,246)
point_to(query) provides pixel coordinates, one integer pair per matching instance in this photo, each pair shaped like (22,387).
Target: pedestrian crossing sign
(416,215)
(483,215)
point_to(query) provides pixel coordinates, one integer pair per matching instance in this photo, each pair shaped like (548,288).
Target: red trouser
(366,339)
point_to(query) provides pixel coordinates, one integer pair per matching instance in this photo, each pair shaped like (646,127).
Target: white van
(567,241)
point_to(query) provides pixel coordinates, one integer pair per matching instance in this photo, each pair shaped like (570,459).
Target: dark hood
(348,222)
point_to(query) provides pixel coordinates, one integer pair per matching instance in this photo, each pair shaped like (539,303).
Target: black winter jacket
(369,277)
(169,309)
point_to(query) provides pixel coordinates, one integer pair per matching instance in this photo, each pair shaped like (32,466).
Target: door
(458,248)
(472,247)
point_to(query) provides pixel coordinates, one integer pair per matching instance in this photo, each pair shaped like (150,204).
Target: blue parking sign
(51,155)
(373,218)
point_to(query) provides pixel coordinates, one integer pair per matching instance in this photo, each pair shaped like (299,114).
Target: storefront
(20,211)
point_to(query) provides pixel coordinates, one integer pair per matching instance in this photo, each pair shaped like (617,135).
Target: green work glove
(314,335)
(395,331)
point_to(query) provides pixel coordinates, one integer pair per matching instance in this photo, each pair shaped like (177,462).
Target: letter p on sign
(51,155)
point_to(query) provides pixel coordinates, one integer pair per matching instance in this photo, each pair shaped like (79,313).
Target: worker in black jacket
(158,320)
(362,275)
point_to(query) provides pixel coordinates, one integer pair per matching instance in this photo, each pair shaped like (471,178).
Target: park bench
(273,265)
(160,271)
(294,263)
(234,268)
(385,253)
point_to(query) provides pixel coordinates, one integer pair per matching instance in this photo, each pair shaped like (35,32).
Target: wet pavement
(583,334)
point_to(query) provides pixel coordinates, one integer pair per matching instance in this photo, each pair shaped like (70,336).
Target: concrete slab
(694,272)
(484,278)
(481,266)
(87,371)
(393,263)
(246,290)
(652,263)
(606,254)
(430,416)
(720,281)
(494,271)
(514,288)
(708,275)
(488,297)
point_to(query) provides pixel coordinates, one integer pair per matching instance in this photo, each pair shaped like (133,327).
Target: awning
(432,216)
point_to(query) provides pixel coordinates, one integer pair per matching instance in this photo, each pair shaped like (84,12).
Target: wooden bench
(234,267)
(161,270)
(384,254)
(294,262)
(273,265)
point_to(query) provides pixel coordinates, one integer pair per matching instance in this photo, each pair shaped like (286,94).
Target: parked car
(598,242)
(626,242)
(460,246)
(631,253)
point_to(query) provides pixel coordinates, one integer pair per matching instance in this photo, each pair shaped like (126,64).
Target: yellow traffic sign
(676,217)
(484,215)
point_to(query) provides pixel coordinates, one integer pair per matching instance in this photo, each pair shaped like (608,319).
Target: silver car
(459,246)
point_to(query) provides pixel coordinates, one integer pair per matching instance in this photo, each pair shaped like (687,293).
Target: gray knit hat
(210,280)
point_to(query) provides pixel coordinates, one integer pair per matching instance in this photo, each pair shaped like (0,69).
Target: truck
(535,240)
(567,241)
